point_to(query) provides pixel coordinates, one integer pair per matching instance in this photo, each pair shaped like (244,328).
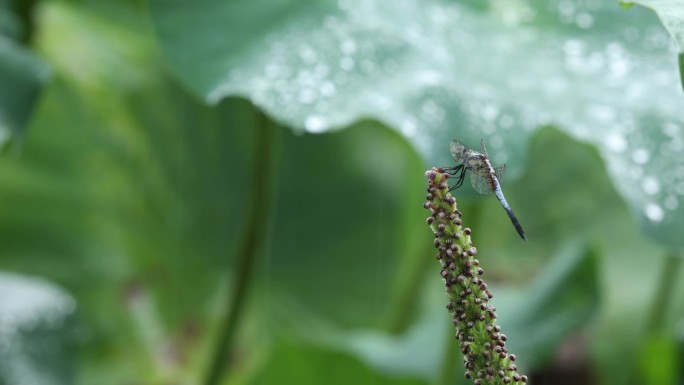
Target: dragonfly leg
(459,172)
(453,170)
(461,178)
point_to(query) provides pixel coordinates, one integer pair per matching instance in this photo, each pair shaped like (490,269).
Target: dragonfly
(484,177)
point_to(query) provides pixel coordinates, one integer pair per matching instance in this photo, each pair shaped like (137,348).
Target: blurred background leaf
(305,364)
(564,297)
(22,76)
(134,196)
(671,14)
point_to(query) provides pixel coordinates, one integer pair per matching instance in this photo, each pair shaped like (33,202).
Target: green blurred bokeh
(145,190)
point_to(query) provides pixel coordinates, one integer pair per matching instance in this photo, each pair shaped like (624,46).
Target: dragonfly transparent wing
(459,151)
(500,171)
(480,184)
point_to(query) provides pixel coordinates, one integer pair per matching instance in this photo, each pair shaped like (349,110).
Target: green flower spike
(485,356)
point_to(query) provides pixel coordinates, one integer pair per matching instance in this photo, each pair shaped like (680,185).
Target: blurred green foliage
(136,198)
(21,75)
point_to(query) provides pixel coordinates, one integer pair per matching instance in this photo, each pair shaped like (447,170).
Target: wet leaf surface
(37,332)
(437,70)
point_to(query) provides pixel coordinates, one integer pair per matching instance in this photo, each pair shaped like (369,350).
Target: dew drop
(315,124)
(573,47)
(348,47)
(347,63)
(306,96)
(641,156)
(489,112)
(409,128)
(321,71)
(584,20)
(670,129)
(654,212)
(496,141)
(650,186)
(327,89)
(671,203)
(273,70)
(367,66)
(566,8)
(430,110)
(616,142)
(506,121)
(603,114)
(307,55)
(619,67)
(429,78)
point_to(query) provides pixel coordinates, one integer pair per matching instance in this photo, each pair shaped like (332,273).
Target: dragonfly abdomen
(514,220)
(490,175)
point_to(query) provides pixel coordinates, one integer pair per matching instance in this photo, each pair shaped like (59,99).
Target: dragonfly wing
(500,171)
(459,151)
(480,184)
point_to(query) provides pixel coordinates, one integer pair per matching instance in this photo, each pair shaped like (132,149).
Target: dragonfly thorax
(477,162)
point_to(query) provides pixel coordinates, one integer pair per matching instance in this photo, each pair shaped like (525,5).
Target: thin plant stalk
(250,249)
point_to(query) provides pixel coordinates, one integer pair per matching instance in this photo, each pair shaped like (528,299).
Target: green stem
(24,9)
(260,196)
(660,305)
(664,292)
